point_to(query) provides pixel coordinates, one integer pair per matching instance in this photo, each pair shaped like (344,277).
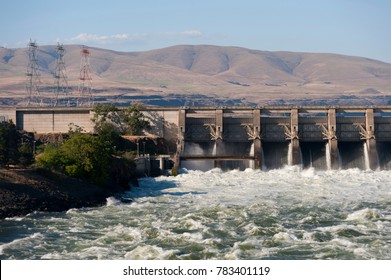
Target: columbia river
(286,213)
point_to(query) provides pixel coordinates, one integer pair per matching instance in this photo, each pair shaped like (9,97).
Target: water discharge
(366,156)
(328,156)
(286,213)
(289,155)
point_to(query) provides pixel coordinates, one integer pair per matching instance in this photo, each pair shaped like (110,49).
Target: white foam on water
(343,242)
(18,219)
(112,201)
(148,252)
(72,210)
(284,236)
(362,253)
(96,252)
(226,215)
(26,241)
(364,215)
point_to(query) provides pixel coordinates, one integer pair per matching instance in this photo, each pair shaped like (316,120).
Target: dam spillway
(269,138)
(266,137)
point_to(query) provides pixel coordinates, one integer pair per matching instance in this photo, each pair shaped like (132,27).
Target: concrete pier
(217,136)
(256,137)
(181,137)
(331,137)
(370,139)
(294,138)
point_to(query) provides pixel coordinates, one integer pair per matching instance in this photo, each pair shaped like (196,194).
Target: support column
(332,138)
(257,139)
(219,136)
(295,143)
(181,137)
(371,139)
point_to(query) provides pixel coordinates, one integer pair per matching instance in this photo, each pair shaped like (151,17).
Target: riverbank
(23,191)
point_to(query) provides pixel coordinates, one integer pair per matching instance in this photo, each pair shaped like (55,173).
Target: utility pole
(33,77)
(85,85)
(61,94)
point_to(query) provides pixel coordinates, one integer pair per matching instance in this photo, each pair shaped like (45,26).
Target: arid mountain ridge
(206,75)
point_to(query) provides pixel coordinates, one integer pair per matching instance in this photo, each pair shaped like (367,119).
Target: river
(286,213)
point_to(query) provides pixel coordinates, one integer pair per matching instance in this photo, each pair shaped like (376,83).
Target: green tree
(130,121)
(110,137)
(134,120)
(104,114)
(9,138)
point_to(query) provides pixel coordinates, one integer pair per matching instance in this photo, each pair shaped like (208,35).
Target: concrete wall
(8,113)
(164,121)
(46,121)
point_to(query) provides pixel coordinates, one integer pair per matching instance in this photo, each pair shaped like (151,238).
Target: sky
(350,27)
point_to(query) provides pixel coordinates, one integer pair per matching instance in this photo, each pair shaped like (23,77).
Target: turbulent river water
(287,213)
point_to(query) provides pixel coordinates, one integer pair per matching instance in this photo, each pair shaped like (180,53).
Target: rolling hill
(206,75)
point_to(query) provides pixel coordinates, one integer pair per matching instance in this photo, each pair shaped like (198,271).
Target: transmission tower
(85,84)
(33,77)
(61,94)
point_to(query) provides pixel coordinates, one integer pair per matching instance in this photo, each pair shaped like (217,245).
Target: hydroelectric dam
(247,137)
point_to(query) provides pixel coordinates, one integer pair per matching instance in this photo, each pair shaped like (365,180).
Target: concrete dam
(271,137)
(248,137)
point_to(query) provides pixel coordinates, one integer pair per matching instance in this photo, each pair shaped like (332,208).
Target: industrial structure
(61,96)
(84,98)
(33,81)
(61,89)
(248,137)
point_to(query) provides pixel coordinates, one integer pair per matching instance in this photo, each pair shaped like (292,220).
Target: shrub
(26,156)
(81,156)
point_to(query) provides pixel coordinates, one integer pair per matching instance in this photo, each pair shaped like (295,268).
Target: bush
(26,156)
(51,158)
(82,156)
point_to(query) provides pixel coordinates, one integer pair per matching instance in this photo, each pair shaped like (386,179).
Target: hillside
(207,75)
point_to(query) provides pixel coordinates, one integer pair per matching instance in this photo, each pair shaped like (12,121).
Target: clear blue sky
(352,27)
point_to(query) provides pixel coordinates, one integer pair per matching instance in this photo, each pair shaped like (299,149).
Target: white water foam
(17,242)
(251,214)
(112,201)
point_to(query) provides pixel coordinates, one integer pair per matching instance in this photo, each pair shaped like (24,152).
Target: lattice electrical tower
(61,89)
(85,85)
(33,77)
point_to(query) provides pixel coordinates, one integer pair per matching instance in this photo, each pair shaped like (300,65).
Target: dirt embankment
(23,191)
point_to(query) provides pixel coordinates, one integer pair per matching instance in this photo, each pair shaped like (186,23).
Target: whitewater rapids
(287,213)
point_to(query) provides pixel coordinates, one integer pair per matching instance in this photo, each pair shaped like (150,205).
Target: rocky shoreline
(23,191)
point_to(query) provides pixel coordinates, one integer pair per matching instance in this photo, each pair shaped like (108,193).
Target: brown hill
(207,75)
